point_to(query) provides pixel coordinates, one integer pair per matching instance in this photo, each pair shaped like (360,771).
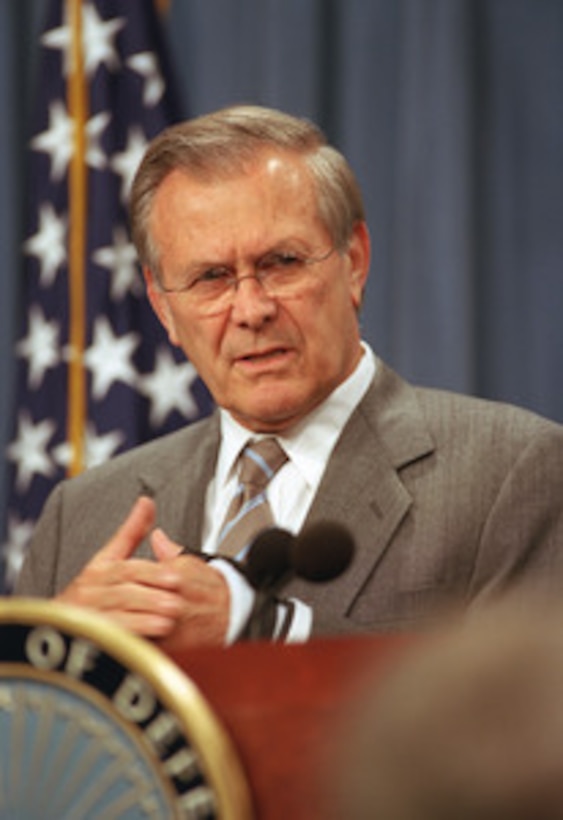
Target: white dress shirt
(309,445)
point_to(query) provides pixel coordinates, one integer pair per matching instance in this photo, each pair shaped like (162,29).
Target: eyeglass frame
(232,281)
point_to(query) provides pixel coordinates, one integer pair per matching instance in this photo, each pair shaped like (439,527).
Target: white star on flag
(48,244)
(95,156)
(121,260)
(97,41)
(168,387)
(17,538)
(109,358)
(57,140)
(29,449)
(146,65)
(99,37)
(126,163)
(40,347)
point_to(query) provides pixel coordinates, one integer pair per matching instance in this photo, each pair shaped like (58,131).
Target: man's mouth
(263,356)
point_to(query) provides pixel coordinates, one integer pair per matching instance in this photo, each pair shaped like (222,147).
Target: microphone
(320,553)
(268,560)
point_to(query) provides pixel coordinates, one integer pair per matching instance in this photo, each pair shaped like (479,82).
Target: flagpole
(78,182)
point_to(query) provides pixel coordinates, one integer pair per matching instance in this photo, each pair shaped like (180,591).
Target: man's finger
(164,548)
(134,529)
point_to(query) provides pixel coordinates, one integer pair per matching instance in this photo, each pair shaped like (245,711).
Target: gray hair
(224,143)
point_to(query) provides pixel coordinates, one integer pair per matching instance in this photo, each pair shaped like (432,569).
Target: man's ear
(159,304)
(359,254)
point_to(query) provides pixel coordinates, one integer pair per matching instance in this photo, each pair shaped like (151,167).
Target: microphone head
(268,558)
(322,551)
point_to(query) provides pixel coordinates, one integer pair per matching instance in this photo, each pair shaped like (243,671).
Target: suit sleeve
(522,537)
(38,574)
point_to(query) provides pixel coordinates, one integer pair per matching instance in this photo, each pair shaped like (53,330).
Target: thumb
(134,529)
(163,547)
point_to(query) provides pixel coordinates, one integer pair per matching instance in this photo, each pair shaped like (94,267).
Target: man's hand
(205,595)
(141,595)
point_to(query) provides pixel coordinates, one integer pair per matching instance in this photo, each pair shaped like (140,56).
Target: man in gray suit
(251,233)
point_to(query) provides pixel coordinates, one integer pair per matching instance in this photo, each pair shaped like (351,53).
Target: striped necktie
(249,512)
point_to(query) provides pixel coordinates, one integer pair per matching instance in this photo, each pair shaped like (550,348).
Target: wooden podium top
(279,704)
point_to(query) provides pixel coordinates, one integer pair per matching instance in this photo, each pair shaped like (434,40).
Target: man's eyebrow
(294,243)
(204,264)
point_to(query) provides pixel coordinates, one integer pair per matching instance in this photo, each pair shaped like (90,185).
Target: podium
(279,704)
(103,724)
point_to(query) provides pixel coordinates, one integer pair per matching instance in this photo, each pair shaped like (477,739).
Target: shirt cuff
(294,619)
(241,598)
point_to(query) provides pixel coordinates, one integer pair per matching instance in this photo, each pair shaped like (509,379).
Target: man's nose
(252,305)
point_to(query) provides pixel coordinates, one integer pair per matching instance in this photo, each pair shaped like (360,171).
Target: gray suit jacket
(448,497)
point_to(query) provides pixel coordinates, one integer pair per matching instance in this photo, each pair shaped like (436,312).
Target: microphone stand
(261,623)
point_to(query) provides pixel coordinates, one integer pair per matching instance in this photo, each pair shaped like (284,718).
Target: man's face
(269,361)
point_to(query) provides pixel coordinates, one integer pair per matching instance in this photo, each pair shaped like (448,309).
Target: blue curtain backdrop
(451,112)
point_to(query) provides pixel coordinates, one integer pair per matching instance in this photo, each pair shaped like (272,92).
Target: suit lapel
(362,487)
(179,482)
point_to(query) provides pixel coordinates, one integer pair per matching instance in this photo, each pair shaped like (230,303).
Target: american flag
(96,374)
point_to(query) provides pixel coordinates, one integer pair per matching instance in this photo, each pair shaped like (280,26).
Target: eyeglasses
(282,274)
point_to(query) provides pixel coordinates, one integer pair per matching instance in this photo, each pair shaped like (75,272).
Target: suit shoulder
(469,415)
(170,449)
